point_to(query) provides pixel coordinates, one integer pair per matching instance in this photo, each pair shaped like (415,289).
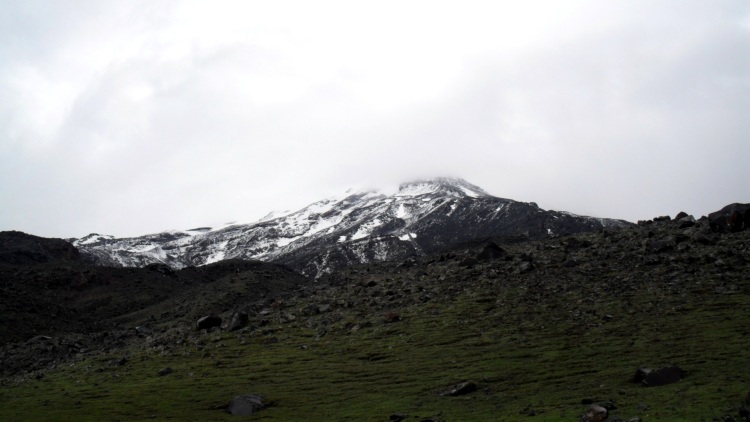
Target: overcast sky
(128,117)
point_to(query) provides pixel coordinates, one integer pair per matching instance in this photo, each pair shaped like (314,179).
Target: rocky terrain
(645,322)
(358,227)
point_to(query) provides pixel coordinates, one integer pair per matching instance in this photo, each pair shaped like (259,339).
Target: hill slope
(542,328)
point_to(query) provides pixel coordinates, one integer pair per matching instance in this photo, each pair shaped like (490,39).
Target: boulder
(595,413)
(143,331)
(208,322)
(732,218)
(461,389)
(655,378)
(239,320)
(525,267)
(245,405)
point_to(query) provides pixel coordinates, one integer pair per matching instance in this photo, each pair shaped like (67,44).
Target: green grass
(523,352)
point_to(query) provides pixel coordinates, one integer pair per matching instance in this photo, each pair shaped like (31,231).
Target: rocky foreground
(643,323)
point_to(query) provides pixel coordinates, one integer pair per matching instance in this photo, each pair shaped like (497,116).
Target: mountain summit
(441,185)
(422,217)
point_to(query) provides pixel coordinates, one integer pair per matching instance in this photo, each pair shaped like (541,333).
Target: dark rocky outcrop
(18,248)
(732,218)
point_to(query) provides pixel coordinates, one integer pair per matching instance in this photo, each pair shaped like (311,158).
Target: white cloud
(126,118)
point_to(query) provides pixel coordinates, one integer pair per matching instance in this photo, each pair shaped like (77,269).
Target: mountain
(422,217)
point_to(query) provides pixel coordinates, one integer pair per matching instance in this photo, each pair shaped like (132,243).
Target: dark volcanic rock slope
(545,327)
(55,292)
(420,218)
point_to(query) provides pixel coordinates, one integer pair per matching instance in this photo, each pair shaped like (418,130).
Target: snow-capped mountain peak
(356,227)
(441,185)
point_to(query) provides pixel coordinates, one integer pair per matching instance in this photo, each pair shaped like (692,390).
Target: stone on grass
(658,377)
(595,413)
(461,389)
(245,405)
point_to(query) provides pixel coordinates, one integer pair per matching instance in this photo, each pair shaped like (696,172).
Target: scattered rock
(208,322)
(460,389)
(286,317)
(595,413)
(245,405)
(525,267)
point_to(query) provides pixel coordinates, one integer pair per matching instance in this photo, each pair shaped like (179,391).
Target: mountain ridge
(356,227)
